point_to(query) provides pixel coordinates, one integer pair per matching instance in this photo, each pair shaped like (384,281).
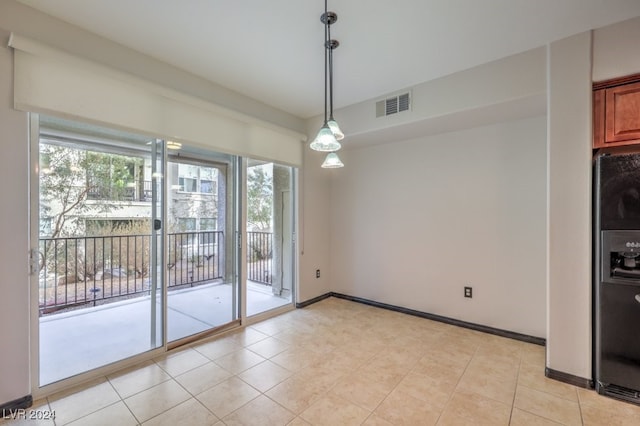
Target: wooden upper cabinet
(599,115)
(623,113)
(616,115)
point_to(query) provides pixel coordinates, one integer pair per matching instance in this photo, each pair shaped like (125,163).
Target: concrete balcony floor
(78,341)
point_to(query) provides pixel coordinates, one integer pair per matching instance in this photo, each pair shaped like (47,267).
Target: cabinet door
(623,113)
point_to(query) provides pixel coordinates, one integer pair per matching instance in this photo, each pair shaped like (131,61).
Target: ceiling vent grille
(393,105)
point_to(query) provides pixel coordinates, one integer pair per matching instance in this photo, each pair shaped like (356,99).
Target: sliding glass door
(270,238)
(135,244)
(201,272)
(97,254)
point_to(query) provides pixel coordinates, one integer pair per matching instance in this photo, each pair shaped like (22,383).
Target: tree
(70,176)
(259,198)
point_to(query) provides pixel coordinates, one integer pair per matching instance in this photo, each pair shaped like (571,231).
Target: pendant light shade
(332,161)
(335,129)
(325,141)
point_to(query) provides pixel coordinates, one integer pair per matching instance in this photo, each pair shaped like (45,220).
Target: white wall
(512,87)
(569,139)
(414,222)
(406,216)
(314,224)
(29,22)
(14,284)
(616,50)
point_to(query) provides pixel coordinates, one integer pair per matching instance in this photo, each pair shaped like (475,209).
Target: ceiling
(272,50)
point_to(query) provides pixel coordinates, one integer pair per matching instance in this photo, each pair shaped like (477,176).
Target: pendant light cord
(326,38)
(330,53)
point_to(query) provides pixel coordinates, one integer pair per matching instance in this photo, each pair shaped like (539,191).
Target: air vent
(393,105)
(403,102)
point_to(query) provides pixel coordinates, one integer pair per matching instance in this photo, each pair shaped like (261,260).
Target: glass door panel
(99,242)
(270,236)
(156,293)
(202,290)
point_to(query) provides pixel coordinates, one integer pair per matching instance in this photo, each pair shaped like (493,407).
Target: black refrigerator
(616,278)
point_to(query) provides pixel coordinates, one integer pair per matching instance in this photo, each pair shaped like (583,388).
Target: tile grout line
(93,412)
(390,392)
(457,384)
(50,410)
(550,394)
(351,402)
(515,391)
(579,406)
(192,396)
(138,422)
(246,403)
(236,375)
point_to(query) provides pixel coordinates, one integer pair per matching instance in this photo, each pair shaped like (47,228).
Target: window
(208,224)
(109,176)
(206,186)
(199,179)
(188,184)
(208,179)
(186,224)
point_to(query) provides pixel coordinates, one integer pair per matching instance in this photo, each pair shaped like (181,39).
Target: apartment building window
(208,224)
(186,224)
(114,177)
(188,184)
(197,179)
(207,186)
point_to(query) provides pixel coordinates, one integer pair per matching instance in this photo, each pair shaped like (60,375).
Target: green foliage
(108,174)
(259,198)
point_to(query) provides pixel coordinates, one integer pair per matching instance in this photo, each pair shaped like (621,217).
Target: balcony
(133,191)
(95,295)
(90,271)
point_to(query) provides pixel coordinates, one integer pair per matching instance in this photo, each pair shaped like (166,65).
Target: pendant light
(330,133)
(332,161)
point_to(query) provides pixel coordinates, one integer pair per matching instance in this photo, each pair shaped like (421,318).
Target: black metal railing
(80,271)
(195,257)
(259,257)
(132,191)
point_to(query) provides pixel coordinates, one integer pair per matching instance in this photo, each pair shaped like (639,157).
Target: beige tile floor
(340,363)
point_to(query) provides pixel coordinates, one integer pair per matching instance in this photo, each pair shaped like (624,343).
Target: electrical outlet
(317,273)
(468,292)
